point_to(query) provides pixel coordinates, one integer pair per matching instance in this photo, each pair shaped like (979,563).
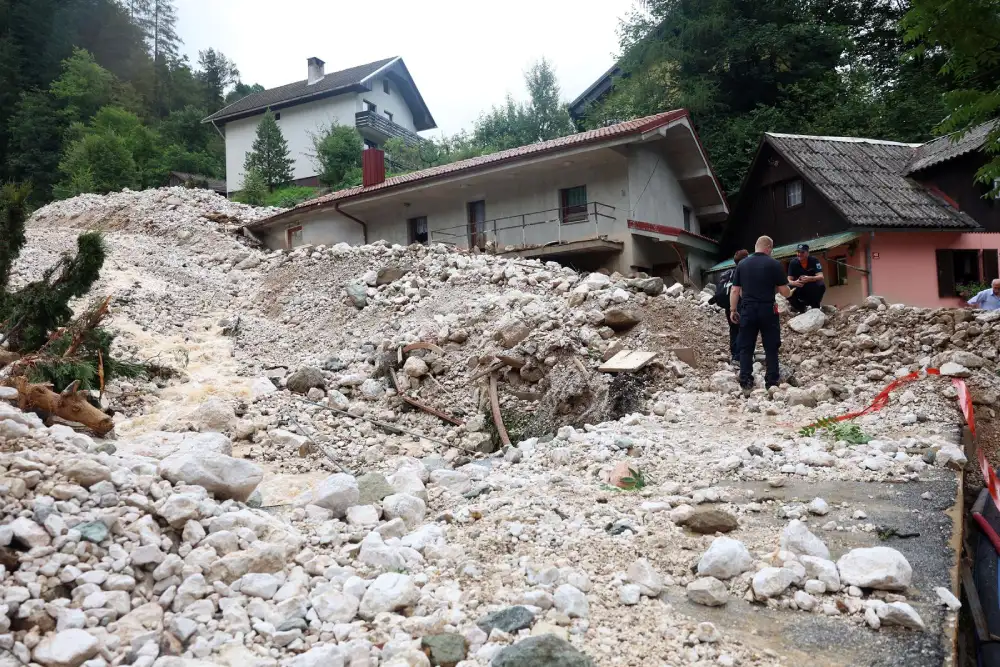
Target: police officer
(751,300)
(805,274)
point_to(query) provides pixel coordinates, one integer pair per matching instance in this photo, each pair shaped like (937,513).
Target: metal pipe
(871,272)
(364,225)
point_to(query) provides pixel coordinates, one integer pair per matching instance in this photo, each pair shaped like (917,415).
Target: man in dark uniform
(805,274)
(721,299)
(751,300)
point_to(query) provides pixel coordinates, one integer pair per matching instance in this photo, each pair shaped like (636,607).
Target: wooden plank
(627,361)
(687,355)
(495,407)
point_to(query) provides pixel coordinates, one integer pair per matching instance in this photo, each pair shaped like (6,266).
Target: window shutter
(990,266)
(946,273)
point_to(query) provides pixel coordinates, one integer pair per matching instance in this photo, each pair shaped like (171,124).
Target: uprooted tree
(40,341)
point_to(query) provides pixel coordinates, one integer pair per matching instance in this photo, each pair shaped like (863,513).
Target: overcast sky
(464,56)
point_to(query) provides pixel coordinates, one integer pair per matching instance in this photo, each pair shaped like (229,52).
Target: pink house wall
(904,264)
(856,288)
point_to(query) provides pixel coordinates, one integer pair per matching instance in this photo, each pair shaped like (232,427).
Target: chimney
(316,70)
(372,167)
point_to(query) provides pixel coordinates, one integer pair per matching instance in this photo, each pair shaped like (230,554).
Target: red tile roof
(631,127)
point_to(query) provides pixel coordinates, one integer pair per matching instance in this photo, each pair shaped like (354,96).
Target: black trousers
(734,332)
(758,319)
(807,296)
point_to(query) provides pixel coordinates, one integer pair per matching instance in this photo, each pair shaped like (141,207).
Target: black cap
(802,247)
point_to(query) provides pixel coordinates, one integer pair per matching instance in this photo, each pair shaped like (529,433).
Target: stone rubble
(377,547)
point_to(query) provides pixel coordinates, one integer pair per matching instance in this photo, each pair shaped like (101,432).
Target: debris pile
(321,478)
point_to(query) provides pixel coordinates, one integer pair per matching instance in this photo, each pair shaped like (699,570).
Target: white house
(378,98)
(637,196)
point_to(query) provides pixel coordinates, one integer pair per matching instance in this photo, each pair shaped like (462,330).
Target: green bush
(290,196)
(254,190)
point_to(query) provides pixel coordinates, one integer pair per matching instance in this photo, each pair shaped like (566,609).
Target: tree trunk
(70,405)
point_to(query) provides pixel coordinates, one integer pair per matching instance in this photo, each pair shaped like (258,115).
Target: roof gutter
(364,225)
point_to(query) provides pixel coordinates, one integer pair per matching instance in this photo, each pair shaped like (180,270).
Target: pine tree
(217,73)
(270,155)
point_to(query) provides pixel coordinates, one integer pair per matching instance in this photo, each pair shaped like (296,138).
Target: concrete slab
(568,249)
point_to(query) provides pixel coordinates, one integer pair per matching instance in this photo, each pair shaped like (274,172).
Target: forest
(95,96)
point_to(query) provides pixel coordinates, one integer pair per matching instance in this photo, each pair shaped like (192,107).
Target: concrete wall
(655,195)
(321,228)
(905,270)
(299,123)
(507,199)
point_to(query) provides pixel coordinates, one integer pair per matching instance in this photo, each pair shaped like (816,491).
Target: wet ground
(808,639)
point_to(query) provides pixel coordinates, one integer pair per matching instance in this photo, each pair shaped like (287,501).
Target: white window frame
(793,193)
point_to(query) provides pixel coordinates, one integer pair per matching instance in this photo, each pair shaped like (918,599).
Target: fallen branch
(422,406)
(322,449)
(495,407)
(70,405)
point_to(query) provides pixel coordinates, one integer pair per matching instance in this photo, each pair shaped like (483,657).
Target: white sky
(464,56)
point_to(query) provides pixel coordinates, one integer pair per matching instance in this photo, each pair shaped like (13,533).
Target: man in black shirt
(751,300)
(805,274)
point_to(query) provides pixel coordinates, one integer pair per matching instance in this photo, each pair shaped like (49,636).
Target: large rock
(900,613)
(85,471)
(358,294)
(651,286)
(541,651)
(642,574)
(335,493)
(951,369)
(883,568)
(161,444)
(224,476)
(771,582)
(822,570)
(709,520)
(967,359)
(415,367)
(509,620)
(390,274)
(372,488)
(29,533)
(708,591)
(69,648)
(797,539)
(446,649)
(620,319)
(406,507)
(571,601)
(808,322)
(796,396)
(389,592)
(724,559)
(323,655)
(214,415)
(333,606)
(512,332)
(304,379)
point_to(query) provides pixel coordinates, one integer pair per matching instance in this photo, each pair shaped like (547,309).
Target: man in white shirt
(988,299)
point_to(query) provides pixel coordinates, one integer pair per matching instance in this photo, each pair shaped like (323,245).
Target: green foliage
(967,32)
(36,139)
(99,162)
(785,66)
(217,74)
(338,152)
(269,154)
(93,352)
(254,190)
(969,290)
(241,90)
(290,196)
(84,86)
(635,481)
(837,430)
(516,124)
(13,214)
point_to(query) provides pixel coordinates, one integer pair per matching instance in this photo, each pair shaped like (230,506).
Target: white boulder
(882,568)
(724,559)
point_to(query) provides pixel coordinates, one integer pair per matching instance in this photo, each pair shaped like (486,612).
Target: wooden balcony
(381,128)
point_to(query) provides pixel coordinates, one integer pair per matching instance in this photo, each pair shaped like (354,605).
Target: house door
(477,223)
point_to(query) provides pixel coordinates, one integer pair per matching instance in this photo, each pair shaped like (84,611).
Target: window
(418,229)
(573,204)
(955,268)
(687,219)
(294,237)
(385,86)
(277,115)
(388,114)
(838,271)
(793,194)
(370,107)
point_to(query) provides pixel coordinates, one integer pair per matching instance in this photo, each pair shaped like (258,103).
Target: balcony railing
(376,122)
(555,225)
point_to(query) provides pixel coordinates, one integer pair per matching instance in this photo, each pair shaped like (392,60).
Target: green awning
(815,245)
